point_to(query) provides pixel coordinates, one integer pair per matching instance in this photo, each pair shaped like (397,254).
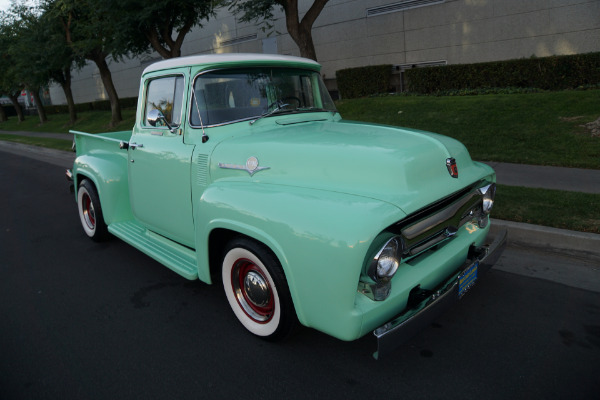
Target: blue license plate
(467,279)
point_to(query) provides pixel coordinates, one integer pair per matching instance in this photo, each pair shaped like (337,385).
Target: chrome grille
(439,221)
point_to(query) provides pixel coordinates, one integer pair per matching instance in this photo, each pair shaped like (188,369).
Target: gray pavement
(537,176)
(56,157)
(544,238)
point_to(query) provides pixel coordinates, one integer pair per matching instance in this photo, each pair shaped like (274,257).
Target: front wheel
(90,211)
(257,290)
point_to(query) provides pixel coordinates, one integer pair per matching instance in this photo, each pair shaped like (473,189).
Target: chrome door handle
(133,146)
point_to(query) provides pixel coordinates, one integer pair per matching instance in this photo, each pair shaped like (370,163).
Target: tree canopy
(162,25)
(10,85)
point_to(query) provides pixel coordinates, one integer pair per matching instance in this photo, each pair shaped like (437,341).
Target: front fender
(321,239)
(108,172)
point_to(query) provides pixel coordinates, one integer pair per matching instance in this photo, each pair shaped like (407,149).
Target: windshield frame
(193,105)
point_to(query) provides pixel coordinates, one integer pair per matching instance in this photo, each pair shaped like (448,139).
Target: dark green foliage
(162,25)
(99,105)
(548,73)
(363,81)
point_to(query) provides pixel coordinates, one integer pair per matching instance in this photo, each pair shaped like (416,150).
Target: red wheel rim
(252,291)
(88,211)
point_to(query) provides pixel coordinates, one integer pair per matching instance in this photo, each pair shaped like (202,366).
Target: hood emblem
(452,168)
(251,166)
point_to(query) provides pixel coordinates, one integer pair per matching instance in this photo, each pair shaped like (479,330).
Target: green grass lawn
(555,208)
(51,143)
(537,128)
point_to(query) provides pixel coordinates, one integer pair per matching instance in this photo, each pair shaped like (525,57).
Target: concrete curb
(582,244)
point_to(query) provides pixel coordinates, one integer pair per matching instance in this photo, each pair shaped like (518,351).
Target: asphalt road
(81,320)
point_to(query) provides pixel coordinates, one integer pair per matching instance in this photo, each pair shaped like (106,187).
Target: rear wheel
(90,211)
(257,290)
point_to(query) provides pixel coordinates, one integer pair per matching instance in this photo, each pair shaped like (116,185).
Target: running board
(178,258)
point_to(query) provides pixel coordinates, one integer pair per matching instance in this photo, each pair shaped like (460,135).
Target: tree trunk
(304,41)
(3,117)
(14,99)
(38,104)
(66,87)
(301,30)
(99,59)
(172,48)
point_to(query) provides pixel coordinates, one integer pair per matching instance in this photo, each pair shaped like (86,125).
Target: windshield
(240,94)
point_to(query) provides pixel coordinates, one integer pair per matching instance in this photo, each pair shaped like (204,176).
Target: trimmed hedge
(100,105)
(363,81)
(548,73)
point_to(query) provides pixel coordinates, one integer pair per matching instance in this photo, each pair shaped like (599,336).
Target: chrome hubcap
(252,291)
(257,289)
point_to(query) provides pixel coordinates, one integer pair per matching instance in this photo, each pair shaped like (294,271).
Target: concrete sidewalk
(537,176)
(64,136)
(569,179)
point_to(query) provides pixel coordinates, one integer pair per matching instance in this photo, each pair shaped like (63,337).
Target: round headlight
(386,262)
(488,192)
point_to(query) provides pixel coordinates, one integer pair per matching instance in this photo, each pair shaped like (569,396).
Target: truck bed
(87,143)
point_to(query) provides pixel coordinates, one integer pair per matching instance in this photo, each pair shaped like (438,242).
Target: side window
(165,95)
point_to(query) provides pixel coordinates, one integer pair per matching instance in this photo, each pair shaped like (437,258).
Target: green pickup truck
(239,169)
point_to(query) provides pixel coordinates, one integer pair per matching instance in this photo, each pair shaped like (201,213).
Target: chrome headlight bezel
(489,193)
(386,262)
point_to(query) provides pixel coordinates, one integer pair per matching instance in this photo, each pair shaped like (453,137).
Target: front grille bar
(440,221)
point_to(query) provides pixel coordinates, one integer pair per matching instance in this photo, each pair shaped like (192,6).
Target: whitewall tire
(90,211)
(257,290)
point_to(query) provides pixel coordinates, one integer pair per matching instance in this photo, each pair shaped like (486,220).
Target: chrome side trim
(411,321)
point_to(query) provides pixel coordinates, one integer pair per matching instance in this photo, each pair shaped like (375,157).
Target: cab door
(159,160)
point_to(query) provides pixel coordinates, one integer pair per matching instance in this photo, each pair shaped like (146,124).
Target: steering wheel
(284,101)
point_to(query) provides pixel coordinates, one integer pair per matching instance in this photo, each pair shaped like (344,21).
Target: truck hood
(404,167)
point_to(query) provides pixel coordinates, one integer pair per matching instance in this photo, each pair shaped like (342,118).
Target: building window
(401,6)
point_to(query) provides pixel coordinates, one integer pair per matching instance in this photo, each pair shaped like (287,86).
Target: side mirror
(155,116)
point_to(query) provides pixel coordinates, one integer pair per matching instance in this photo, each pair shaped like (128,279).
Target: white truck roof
(224,58)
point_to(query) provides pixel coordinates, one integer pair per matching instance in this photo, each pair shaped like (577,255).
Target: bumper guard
(413,320)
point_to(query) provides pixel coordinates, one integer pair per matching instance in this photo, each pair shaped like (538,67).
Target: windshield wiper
(312,109)
(277,109)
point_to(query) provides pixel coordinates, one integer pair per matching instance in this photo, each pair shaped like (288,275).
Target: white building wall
(454,31)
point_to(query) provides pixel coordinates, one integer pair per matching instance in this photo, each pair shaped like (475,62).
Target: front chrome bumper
(416,318)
